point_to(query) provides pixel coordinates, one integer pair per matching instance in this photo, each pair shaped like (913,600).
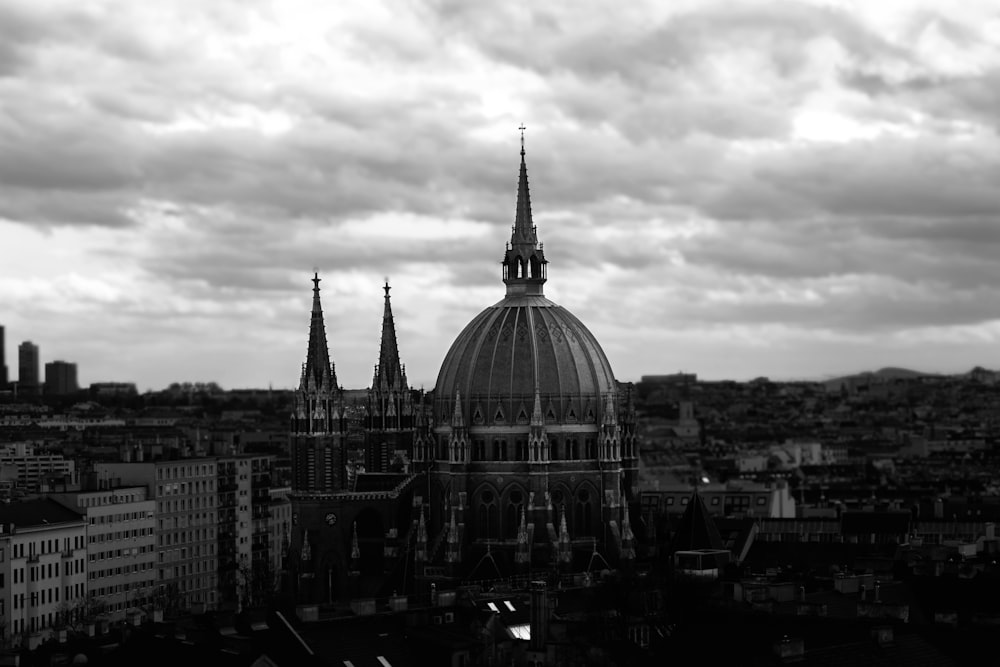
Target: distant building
(3,360)
(45,569)
(20,464)
(121,547)
(27,368)
(185,492)
(109,389)
(733,499)
(60,378)
(673,378)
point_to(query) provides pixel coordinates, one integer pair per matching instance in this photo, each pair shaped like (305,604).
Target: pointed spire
(524,262)
(420,552)
(389,372)
(565,544)
(523,553)
(536,414)
(457,420)
(524,228)
(628,538)
(318,373)
(454,553)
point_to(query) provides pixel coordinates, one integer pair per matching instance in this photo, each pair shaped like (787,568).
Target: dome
(523,345)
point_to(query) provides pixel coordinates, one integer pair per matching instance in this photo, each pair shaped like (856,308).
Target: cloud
(755,174)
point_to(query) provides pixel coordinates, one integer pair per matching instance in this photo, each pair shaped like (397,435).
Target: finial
(316,279)
(386,287)
(522,128)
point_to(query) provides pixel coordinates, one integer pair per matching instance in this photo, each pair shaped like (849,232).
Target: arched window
(535,267)
(488,526)
(479,450)
(512,517)
(591,447)
(584,512)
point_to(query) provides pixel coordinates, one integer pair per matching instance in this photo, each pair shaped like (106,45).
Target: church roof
(696,529)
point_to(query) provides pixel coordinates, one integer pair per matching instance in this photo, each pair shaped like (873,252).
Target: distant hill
(881,375)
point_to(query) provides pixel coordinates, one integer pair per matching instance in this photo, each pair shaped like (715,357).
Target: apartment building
(245,568)
(121,547)
(43,569)
(186,511)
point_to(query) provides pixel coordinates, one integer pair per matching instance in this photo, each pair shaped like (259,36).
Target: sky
(734,189)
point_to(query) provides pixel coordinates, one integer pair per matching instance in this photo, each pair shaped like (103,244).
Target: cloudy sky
(790,189)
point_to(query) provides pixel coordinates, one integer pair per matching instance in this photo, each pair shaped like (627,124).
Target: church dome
(524,345)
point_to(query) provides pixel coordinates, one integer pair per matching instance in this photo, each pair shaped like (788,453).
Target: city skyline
(797,190)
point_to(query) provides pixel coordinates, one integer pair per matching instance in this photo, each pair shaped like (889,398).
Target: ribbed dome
(521,345)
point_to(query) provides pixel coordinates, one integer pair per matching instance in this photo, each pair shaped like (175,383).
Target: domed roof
(526,344)
(521,345)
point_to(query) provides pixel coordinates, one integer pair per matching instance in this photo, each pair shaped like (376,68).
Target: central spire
(524,264)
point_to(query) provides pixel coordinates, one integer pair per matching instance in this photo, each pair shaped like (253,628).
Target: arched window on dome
(521,450)
(499,450)
(512,513)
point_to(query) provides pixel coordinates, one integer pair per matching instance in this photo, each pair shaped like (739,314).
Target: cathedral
(523,457)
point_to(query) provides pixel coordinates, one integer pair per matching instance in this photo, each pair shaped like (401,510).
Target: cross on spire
(522,128)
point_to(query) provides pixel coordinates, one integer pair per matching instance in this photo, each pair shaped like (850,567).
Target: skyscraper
(60,378)
(27,368)
(3,360)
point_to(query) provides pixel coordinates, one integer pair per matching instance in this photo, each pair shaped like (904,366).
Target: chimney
(877,586)
(789,650)
(539,616)
(883,635)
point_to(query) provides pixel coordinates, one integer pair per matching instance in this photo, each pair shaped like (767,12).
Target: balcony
(67,553)
(32,558)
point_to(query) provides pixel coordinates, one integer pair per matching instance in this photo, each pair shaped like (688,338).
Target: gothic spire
(318,373)
(524,228)
(524,264)
(389,373)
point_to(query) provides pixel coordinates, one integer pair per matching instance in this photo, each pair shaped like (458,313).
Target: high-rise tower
(3,360)
(27,369)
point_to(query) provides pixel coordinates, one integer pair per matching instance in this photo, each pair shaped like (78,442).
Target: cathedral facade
(524,454)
